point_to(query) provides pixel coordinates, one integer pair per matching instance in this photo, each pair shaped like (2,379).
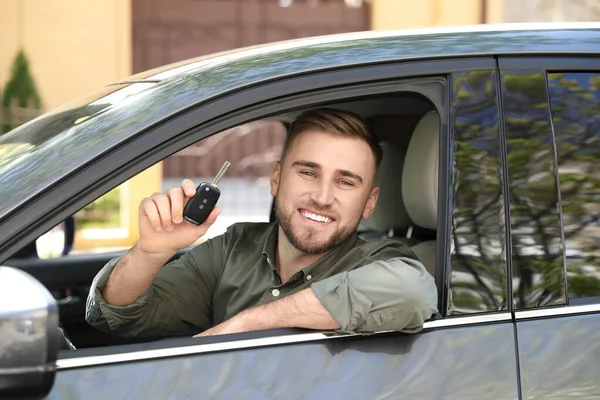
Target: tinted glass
(575,106)
(45,149)
(478,267)
(535,227)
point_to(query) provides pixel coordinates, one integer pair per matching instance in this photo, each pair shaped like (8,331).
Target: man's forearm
(300,310)
(132,276)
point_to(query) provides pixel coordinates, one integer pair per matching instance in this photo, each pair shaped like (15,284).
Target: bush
(102,213)
(20,90)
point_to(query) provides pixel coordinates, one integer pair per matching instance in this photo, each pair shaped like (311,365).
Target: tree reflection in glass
(536,242)
(478,267)
(575,106)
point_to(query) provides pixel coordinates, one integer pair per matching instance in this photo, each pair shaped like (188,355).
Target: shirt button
(308,277)
(275,292)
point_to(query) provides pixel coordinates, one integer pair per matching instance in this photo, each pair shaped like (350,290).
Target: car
(491,138)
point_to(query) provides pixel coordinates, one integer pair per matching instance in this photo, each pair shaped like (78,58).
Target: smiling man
(307,270)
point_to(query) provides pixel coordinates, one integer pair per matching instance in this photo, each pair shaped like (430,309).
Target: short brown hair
(343,123)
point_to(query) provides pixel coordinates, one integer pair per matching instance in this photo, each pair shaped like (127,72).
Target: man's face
(323,189)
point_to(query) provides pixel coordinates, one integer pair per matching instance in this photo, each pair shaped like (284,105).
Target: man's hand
(162,233)
(300,310)
(161,224)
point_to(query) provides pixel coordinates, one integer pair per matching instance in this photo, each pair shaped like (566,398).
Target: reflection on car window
(536,242)
(575,106)
(10,151)
(17,144)
(478,267)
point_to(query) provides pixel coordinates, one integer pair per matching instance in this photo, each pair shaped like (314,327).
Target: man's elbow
(415,301)
(422,297)
(417,308)
(425,295)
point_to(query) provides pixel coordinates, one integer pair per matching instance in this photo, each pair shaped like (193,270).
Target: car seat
(390,218)
(420,183)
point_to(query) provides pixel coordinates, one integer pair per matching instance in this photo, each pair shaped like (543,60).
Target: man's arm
(138,294)
(299,310)
(396,294)
(132,276)
(177,301)
(162,232)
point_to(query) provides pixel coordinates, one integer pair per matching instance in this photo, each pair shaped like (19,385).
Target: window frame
(500,314)
(149,146)
(231,110)
(550,64)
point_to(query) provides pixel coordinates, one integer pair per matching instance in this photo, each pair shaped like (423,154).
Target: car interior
(407,125)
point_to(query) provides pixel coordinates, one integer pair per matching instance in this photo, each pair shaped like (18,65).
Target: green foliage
(102,213)
(538,256)
(20,90)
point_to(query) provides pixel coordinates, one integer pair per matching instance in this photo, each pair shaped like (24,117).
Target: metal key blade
(215,181)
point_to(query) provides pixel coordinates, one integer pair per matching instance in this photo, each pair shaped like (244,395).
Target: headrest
(389,212)
(420,174)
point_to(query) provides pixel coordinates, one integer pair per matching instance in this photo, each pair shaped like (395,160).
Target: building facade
(77,46)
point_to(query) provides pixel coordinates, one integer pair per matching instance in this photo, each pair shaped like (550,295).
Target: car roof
(78,132)
(437,42)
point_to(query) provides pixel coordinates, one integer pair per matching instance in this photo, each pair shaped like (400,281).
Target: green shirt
(366,286)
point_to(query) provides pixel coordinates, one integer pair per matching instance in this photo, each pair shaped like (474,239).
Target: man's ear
(275,178)
(371,203)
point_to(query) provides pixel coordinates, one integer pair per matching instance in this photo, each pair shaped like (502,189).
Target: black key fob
(200,206)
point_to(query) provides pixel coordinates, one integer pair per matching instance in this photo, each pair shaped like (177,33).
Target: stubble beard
(307,244)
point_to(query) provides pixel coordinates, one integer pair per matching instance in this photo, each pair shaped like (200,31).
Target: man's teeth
(316,217)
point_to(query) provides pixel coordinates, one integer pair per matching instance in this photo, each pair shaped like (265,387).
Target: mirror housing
(29,336)
(57,242)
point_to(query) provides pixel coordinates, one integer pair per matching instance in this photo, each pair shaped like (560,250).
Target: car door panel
(449,360)
(440,363)
(560,355)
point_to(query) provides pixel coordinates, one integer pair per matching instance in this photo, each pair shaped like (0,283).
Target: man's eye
(346,183)
(309,173)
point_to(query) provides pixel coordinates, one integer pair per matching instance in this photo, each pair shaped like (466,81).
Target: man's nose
(323,194)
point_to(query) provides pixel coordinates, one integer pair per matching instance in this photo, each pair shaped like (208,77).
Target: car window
(538,277)
(46,148)
(478,266)
(575,107)
(110,223)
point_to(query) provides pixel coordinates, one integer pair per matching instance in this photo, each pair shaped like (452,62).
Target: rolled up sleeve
(396,294)
(178,302)
(129,320)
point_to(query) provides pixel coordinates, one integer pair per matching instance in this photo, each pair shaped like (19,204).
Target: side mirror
(29,336)
(56,242)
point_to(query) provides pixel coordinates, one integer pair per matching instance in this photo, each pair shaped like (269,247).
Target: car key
(207,194)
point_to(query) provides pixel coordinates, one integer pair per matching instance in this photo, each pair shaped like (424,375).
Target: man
(307,270)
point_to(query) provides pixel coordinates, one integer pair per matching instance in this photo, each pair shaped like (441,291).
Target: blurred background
(54,51)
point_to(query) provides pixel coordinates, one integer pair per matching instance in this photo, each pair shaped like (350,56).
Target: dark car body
(495,337)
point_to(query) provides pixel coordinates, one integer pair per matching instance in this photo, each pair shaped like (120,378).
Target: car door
(552,137)
(467,352)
